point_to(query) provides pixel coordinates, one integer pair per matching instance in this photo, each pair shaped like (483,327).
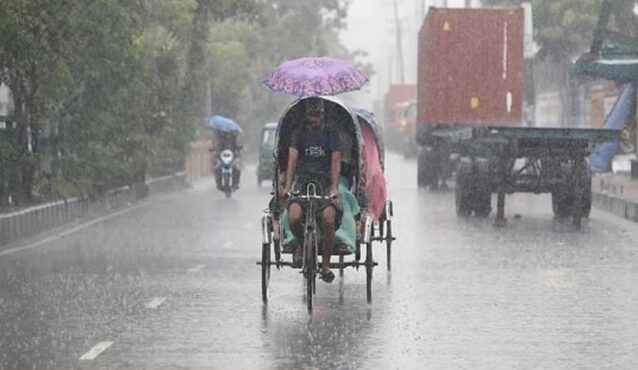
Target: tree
(107,92)
(289,29)
(564,29)
(34,41)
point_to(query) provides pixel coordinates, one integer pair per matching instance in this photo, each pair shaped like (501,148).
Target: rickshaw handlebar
(310,196)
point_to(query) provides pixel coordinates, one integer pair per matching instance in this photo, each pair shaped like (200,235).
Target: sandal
(327,276)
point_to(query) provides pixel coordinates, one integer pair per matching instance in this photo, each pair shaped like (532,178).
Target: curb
(617,206)
(33,220)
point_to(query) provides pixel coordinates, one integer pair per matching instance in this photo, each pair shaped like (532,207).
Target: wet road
(174,284)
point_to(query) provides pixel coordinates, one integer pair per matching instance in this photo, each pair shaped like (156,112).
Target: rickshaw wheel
(277,252)
(369,266)
(311,268)
(265,271)
(341,261)
(388,244)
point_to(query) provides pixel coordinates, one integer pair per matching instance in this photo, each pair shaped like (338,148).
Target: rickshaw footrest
(334,265)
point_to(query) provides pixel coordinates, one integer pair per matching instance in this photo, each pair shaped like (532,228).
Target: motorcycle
(227,172)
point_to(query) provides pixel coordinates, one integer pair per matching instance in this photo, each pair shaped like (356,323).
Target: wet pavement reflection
(461,294)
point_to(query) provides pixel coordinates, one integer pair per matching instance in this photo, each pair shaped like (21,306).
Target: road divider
(34,220)
(616,205)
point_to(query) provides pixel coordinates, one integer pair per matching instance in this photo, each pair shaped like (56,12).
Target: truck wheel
(586,198)
(482,193)
(562,203)
(427,175)
(483,204)
(583,194)
(563,198)
(463,191)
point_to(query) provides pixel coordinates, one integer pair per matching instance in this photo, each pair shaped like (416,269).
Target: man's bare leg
(295,215)
(328,217)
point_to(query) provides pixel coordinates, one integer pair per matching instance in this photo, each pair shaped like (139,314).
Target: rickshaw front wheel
(369,267)
(388,244)
(310,267)
(265,271)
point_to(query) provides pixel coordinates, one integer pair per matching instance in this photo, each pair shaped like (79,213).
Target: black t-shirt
(315,147)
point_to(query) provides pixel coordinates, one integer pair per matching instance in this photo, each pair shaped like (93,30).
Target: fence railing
(33,220)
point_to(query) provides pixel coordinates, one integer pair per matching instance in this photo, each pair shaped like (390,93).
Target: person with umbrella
(314,157)
(315,150)
(226,132)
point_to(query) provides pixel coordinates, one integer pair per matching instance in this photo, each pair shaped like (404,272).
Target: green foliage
(289,29)
(564,28)
(108,92)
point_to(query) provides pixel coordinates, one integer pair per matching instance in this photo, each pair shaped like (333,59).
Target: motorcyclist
(314,156)
(228,140)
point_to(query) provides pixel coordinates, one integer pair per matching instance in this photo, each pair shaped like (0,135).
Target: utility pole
(399,41)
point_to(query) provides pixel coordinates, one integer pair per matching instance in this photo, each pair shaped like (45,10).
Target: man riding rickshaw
(314,158)
(319,204)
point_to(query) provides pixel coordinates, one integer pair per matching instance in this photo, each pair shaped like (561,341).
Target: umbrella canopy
(314,77)
(222,123)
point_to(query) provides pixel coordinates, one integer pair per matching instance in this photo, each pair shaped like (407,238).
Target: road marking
(95,351)
(83,226)
(227,245)
(197,268)
(155,302)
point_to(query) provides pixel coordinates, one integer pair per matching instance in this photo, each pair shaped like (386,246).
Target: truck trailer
(470,119)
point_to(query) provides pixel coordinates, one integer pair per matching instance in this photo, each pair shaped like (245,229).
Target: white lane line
(82,227)
(155,302)
(197,268)
(227,245)
(95,351)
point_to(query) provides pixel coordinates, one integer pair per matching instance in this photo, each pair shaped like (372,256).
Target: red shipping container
(470,67)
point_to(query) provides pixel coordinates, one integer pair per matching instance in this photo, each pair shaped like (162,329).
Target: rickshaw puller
(314,156)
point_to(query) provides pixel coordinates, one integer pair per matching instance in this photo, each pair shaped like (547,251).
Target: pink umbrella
(314,77)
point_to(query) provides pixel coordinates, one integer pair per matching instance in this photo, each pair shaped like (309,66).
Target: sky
(371,27)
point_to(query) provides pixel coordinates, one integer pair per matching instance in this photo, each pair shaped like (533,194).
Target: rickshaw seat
(345,235)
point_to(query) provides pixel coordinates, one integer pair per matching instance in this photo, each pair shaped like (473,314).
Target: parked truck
(470,119)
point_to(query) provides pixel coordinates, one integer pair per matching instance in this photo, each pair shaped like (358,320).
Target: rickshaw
(380,208)
(266,148)
(355,230)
